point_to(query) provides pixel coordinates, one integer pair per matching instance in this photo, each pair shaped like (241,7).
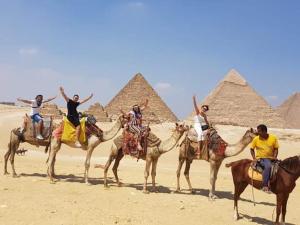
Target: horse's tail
(231,164)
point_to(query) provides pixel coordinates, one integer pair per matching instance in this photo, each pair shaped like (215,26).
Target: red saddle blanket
(130,145)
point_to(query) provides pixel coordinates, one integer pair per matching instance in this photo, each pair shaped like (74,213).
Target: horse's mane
(291,164)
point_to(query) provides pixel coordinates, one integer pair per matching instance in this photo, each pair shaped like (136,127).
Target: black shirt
(72,108)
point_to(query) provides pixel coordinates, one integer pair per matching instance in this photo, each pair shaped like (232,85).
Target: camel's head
(181,128)
(123,120)
(249,135)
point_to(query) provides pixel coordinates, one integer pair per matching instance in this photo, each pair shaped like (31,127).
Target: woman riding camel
(35,115)
(135,121)
(73,115)
(201,124)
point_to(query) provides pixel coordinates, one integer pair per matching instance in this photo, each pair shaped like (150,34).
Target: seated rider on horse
(264,148)
(135,121)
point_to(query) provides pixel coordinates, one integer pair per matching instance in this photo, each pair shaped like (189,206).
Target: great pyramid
(52,110)
(290,111)
(135,92)
(234,102)
(97,110)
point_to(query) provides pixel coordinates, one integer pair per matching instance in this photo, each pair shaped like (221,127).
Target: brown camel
(27,136)
(282,184)
(187,155)
(92,143)
(154,151)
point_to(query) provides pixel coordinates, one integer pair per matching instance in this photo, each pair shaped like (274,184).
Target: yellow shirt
(265,148)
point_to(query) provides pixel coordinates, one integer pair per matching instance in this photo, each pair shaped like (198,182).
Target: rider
(35,115)
(135,123)
(73,115)
(266,149)
(201,124)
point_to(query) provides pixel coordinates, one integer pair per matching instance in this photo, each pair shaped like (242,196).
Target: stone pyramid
(234,102)
(135,92)
(290,111)
(50,109)
(97,110)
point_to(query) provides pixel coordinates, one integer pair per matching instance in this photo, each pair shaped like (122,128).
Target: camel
(92,142)
(27,136)
(186,154)
(154,151)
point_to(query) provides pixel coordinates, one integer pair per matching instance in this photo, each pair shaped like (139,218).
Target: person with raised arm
(73,115)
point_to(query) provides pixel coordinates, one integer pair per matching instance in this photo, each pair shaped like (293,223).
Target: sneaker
(40,137)
(266,190)
(77,144)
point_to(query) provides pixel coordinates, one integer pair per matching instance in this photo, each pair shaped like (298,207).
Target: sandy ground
(31,199)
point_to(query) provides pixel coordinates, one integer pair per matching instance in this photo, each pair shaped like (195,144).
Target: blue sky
(181,47)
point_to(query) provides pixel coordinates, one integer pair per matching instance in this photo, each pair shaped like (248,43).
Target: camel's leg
(116,165)
(214,169)
(87,164)
(146,174)
(239,187)
(284,209)
(180,163)
(187,173)
(153,174)
(107,165)
(14,148)
(6,157)
(51,162)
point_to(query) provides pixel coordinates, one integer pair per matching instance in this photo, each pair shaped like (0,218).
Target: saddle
(66,132)
(29,132)
(130,143)
(212,141)
(256,169)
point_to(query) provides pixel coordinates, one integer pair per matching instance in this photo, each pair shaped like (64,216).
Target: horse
(282,184)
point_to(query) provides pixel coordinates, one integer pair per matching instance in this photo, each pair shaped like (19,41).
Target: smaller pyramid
(97,110)
(290,111)
(50,109)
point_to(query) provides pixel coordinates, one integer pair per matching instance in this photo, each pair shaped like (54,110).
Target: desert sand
(32,199)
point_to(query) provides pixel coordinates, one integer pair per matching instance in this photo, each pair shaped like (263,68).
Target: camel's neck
(110,134)
(170,143)
(237,148)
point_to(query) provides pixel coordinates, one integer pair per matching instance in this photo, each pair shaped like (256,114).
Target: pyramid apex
(233,76)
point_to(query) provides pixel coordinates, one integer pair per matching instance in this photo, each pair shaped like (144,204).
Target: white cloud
(136,4)
(28,51)
(163,86)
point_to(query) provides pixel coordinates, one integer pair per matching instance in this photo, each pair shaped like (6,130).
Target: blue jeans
(267,170)
(36,118)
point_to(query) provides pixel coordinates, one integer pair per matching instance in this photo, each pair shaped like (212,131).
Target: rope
(253,199)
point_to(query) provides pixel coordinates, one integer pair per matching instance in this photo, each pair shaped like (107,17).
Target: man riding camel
(135,121)
(264,148)
(201,124)
(35,115)
(73,115)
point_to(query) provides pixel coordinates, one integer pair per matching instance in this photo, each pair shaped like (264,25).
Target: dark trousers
(267,170)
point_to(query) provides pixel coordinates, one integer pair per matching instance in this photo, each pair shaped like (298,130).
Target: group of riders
(264,147)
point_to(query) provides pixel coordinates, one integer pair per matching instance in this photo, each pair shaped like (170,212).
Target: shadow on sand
(259,220)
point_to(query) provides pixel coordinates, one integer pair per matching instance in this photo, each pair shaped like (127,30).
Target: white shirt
(198,119)
(35,109)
